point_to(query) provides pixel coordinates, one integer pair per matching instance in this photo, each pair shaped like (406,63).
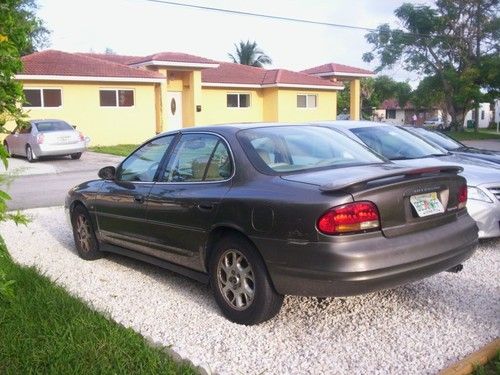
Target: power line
(261,15)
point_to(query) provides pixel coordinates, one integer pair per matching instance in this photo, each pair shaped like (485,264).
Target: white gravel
(417,329)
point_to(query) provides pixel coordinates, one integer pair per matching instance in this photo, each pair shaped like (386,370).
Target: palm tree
(247,53)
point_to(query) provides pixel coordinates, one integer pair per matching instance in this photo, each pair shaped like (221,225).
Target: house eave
(43,77)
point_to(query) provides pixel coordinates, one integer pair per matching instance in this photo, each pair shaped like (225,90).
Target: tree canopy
(248,53)
(456,42)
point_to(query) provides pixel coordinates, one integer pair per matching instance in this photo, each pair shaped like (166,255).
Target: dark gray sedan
(261,211)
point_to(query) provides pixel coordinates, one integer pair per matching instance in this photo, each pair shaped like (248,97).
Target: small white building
(486,115)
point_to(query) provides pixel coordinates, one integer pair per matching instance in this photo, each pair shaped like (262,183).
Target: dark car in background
(454,146)
(261,211)
(48,137)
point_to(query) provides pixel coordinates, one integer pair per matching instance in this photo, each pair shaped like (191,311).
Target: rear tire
(76,156)
(240,282)
(29,154)
(84,235)
(6,145)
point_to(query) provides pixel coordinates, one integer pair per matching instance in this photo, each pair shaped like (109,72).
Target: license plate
(63,139)
(426,204)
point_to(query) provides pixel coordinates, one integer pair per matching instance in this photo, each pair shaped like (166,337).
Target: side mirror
(107,173)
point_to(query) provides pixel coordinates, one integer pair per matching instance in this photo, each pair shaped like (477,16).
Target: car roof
(350,124)
(236,127)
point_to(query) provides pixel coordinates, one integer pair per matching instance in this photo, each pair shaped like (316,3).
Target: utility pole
(478,53)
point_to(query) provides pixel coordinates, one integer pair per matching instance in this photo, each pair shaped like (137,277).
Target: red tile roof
(120,59)
(394,104)
(336,68)
(51,62)
(243,74)
(174,57)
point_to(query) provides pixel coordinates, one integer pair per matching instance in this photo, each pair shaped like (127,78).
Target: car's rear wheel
(240,282)
(76,156)
(84,234)
(29,154)
(6,145)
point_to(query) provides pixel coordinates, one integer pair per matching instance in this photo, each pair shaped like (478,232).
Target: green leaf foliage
(453,42)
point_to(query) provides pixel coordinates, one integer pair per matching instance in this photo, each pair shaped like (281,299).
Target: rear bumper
(54,150)
(348,266)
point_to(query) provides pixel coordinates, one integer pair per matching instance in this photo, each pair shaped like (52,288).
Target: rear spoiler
(346,183)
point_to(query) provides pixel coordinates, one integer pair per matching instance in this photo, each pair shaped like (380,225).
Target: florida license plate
(426,204)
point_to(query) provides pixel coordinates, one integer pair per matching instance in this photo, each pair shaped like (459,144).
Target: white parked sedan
(46,138)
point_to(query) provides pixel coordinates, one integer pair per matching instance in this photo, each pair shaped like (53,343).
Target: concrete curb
(480,357)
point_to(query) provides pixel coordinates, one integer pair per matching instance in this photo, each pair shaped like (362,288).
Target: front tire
(29,154)
(84,234)
(76,156)
(241,284)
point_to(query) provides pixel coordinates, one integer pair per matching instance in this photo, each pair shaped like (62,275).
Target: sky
(140,27)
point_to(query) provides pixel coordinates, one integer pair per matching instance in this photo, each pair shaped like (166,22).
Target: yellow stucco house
(126,99)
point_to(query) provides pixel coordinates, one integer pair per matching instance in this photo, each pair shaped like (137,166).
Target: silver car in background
(46,138)
(405,148)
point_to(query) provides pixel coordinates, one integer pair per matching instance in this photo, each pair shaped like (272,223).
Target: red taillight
(40,138)
(82,138)
(462,196)
(349,218)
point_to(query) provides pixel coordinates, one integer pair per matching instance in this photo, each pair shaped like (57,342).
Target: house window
(482,115)
(238,100)
(42,98)
(116,98)
(390,113)
(307,101)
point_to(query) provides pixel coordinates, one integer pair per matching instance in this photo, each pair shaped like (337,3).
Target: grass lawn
(44,330)
(490,368)
(469,135)
(120,150)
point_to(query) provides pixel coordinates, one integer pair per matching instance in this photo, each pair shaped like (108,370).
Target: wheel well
(216,235)
(72,207)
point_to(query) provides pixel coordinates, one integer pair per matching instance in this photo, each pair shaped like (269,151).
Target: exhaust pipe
(456,269)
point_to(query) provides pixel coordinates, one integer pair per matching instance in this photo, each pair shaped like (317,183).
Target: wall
(288,112)
(104,125)
(485,120)
(214,107)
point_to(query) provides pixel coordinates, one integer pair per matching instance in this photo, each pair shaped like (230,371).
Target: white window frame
(116,97)
(307,101)
(238,94)
(42,102)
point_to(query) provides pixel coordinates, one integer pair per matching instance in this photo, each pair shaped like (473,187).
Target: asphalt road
(486,144)
(45,183)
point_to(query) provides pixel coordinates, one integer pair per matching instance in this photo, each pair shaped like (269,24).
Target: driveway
(416,329)
(46,182)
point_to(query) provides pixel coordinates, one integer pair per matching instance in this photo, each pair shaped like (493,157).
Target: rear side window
(298,148)
(198,158)
(53,126)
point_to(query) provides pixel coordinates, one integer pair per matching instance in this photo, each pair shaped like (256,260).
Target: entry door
(174,110)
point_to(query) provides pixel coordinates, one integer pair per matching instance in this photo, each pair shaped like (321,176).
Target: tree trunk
(476,116)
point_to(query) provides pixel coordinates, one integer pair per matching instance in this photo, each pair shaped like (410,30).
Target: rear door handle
(206,206)
(139,198)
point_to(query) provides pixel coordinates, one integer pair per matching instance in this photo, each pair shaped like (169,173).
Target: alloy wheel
(235,279)
(84,233)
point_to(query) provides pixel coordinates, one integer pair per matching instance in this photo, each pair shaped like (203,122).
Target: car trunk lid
(408,199)
(62,137)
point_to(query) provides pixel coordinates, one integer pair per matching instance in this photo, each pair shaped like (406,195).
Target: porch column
(355,88)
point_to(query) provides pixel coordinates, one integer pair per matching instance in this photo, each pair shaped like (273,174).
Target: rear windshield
(438,138)
(395,143)
(53,126)
(283,149)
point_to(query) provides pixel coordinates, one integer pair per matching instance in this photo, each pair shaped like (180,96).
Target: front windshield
(298,148)
(438,138)
(396,144)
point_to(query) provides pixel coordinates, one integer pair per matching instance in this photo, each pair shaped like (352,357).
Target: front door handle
(139,198)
